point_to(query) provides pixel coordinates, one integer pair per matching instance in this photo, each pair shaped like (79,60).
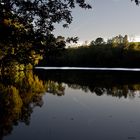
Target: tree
(98,41)
(136,1)
(26,26)
(118,40)
(125,41)
(40,15)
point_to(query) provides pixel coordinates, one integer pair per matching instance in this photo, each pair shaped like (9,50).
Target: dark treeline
(116,52)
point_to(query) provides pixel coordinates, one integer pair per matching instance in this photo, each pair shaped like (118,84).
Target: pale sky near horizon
(106,19)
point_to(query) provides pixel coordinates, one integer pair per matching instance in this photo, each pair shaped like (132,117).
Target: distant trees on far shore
(116,52)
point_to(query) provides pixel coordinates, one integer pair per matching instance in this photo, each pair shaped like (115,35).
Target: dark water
(70,105)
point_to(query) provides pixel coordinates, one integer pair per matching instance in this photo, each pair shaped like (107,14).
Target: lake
(70,105)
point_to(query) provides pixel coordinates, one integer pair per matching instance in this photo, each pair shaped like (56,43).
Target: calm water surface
(70,105)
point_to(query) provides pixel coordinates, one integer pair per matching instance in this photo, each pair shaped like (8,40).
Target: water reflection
(21,92)
(115,91)
(54,88)
(124,84)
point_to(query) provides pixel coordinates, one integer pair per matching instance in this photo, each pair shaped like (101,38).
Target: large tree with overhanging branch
(26,25)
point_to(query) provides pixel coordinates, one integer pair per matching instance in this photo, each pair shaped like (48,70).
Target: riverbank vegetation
(115,52)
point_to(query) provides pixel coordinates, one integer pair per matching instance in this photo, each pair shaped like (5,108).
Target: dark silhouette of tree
(136,1)
(40,15)
(98,41)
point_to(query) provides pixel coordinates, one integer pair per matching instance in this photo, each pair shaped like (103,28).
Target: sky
(107,18)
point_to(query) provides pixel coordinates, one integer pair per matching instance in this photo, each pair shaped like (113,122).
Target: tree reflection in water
(121,91)
(21,92)
(116,84)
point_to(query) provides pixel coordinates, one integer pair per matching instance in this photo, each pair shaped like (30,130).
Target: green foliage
(117,52)
(118,41)
(26,28)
